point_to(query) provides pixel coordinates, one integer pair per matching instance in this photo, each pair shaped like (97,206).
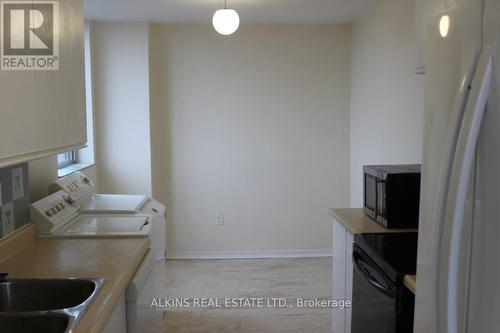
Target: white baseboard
(249,254)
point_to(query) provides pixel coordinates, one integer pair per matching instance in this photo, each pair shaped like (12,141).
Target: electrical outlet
(220,219)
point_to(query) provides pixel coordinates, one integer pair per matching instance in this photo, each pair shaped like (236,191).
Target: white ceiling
(259,11)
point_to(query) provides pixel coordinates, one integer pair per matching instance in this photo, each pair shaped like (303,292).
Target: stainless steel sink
(34,322)
(56,304)
(39,295)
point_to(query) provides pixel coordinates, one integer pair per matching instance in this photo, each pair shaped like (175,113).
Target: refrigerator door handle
(459,183)
(453,133)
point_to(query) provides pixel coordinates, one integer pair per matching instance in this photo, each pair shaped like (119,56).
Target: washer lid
(113,203)
(109,224)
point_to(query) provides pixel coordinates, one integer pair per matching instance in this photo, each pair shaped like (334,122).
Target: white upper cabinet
(43,111)
(17,113)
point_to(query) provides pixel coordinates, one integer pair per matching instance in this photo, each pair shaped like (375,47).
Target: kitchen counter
(410,282)
(115,260)
(357,222)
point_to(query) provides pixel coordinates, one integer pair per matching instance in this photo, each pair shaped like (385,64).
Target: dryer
(81,189)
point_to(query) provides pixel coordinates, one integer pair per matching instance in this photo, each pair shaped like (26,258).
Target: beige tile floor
(263,278)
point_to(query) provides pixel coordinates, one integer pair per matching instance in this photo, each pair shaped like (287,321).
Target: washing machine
(60,216)
(81,189)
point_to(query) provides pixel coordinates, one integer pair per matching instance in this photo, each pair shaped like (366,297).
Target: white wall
(386,95)
(255,125)
(42,172)
(121,102)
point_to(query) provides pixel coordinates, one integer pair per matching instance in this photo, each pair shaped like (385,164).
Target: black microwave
(392,194)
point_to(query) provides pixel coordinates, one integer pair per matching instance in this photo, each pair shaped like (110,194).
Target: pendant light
(226,21)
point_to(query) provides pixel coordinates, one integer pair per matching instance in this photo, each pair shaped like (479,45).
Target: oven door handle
(356,258)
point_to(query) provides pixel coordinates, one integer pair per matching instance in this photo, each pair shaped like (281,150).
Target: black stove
(394,253)
(380,301)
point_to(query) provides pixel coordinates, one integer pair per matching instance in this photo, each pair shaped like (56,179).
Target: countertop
(410,282)
(357,222)
(115,260)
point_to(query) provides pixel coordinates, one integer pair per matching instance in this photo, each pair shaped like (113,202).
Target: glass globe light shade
(226,21)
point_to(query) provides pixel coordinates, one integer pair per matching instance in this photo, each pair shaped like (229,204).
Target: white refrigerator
(458,274)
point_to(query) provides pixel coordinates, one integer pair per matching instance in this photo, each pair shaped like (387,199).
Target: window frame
(66,159)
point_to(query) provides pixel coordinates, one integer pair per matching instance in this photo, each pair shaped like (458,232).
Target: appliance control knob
(69,200)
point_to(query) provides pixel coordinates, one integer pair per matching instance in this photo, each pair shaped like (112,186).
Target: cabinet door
(342,276)
(17,121)
(60,94)
(339,275)
(43,112)
(117,321)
